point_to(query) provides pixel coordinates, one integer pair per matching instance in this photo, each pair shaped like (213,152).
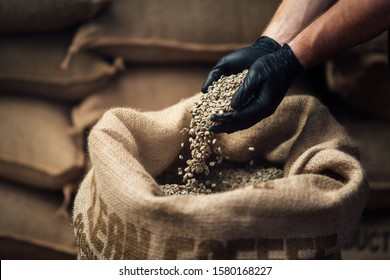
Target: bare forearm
(346,24)
(292,16)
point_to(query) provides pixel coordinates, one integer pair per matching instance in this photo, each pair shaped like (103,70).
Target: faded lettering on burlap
(112,238)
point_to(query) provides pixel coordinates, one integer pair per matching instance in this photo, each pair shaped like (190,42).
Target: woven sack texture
(121,213)
(363,70)
(45,15)
(372,137)
(174,30)
(32,64)
(145,88)
(36,147)
(31,227)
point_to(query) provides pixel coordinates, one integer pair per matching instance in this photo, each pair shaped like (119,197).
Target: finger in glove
(233,126)
(261,106)
(213,76)
(251,85)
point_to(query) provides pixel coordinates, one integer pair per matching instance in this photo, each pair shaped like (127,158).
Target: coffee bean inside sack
(226,176)
(202,172)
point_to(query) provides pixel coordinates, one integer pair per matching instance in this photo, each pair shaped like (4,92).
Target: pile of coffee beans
(224,177)
(206,152)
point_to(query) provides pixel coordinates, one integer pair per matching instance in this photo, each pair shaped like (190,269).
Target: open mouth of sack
(226,176)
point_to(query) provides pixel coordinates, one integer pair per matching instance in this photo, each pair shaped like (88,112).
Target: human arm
(291,17)
(347,23)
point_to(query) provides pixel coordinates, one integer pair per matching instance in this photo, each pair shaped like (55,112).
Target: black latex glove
(240,60)
(262,90)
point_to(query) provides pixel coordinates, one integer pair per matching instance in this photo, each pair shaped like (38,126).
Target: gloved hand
(262,90)
(240,60)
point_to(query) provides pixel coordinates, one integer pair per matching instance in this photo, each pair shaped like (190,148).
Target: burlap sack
(174,30)
(32,65)
(36,146)
(143,88)
(30,227)
(43,15)
(149,88)
(361,77)
(372,138)
(121,213)
(371,241)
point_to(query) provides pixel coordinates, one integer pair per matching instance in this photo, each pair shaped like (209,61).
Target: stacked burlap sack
(173,43)
(178,31)
(360,78)
(121,213)
(40,157)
